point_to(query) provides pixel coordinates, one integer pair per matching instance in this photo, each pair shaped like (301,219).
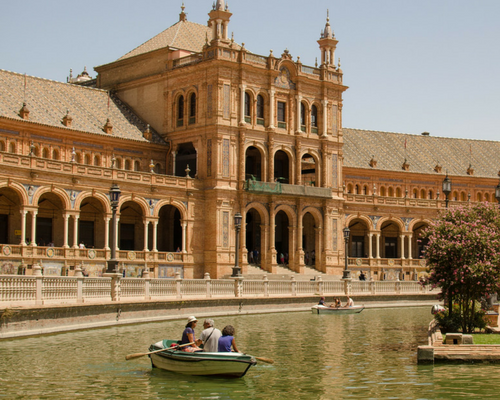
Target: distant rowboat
(319,309)
(233,365)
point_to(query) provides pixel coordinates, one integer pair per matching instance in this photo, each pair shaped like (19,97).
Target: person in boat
(209,337)
(321,301)
(188,336)
(336,303)
(226,341)
(349,302)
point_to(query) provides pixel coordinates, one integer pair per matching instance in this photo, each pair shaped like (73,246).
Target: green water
(371,355)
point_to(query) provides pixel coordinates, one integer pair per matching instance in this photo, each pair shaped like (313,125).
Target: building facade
(194,128)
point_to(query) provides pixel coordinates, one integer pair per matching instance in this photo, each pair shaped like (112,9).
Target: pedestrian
(362,276)
(209,337)
(250,257)
(226,341)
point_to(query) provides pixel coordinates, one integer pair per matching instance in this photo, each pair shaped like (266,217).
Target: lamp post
(237,227)
(114,195)
(497,192)
(347,273)
(447,188)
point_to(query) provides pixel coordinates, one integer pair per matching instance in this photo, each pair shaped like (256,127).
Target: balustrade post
(37,272)
(266,286)
(238,286)
(319,285)
(398,286)
(293,285)
(372,286)
(347,286)
(115,287)
(79,289)
(147,288)
(178,283)
(209,284)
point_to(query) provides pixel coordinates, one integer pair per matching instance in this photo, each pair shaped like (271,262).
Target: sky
(412,66)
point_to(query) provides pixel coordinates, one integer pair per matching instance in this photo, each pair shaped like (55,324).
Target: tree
(463,254)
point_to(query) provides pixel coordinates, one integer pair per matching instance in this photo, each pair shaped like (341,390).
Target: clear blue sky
(412,66)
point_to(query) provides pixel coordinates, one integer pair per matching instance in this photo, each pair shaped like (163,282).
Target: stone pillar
(298,126)
(402,237)
(271,109)
(184,236)
(155,235)
(146,231)
(325,117)
(23,227)
(410,238)
(66,230)
(242,104)
(106,233)
(378,245)
(178,282)
(33,227)
(75,231)
(370,246)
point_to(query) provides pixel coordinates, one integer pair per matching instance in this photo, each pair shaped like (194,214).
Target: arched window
(118,163)
(55,154)
(382,191)
(314,118)
(398,192)
(302,117)
(281,114)
(192,108)
(87,159)
(180,111)
(248,107)
(463,196)
(415,193)
(356,189)
(486,197)
(349,188)
(127,165)
(365,190)
(431,194)
(157,168)
(479,197)
(97,161)
(423,194)
(12,147)
(45,153)
(78,158)
(455,196)
(137,165)
(390,192)
(260,110)
(2,146)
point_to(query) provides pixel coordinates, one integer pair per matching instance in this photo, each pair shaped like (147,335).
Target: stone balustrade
(38,289)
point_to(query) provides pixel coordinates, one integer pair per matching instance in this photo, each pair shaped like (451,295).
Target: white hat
(192,319)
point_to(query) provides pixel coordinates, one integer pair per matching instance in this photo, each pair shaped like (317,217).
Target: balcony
(289,190)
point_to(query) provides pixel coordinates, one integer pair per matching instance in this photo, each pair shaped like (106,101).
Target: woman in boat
(227,340)
(321,301)
(188,336)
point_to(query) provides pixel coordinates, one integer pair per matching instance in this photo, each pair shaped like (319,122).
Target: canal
(370,355)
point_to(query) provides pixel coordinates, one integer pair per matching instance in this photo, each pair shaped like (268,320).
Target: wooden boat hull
(233,365)
(336,310)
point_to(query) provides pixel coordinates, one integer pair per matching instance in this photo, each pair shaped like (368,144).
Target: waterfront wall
(37,320)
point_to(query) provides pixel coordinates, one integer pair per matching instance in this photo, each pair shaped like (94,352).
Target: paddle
(137,355)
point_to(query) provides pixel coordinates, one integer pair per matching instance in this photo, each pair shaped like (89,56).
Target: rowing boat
(319,309)
(233,364)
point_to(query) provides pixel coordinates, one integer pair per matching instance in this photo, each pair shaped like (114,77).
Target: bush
(454,323)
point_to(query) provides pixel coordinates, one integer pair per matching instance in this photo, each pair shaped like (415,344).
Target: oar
(137,355)
(266,360)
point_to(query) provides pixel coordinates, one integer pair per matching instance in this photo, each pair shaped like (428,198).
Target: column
(33,227)
(325,116)
(378,244)
(23,227)
(402,247)
(146,229)
(75,231)
(106,233)
(155,233)
(410,237)
(184,230)
(115,244)
(298,164)
(271,109)
(370,245)
(299,101)
(65,234)
(242,104)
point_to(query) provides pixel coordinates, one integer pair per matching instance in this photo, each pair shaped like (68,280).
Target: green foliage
(463,254)
(453,323)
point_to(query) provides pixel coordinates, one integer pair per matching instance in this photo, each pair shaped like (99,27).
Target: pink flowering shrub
(463,253)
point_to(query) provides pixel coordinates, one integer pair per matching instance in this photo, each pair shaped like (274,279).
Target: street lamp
(237,227)
(497,192)
(447,188)
(347,273)
(114,195)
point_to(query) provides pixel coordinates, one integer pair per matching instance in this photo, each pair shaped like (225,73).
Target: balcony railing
(283,188)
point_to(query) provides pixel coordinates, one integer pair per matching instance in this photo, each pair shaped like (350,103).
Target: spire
(182,15)
(327,44)
(220,5)
(328,33)
(219,21)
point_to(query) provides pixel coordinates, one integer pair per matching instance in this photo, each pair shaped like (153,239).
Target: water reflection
(368,355)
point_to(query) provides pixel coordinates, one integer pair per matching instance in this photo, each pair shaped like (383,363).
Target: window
(260,110)
(137,166)
(55,154)
(247,105)
(97,161)
(45,153)
(87,159)
(180,111)
(281,114)
(2,146)
(314,116)
(12,147)
(127,165)
(192,109)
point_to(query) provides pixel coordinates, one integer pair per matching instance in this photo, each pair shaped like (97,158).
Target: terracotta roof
(49,101)
(184,35)
(422,153)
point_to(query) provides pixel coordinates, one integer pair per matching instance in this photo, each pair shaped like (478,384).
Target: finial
(327,15)
(182,7)
(339,62)
(232,36)
(316,63)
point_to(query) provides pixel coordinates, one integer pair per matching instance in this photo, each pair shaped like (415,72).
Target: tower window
(192,108)
(180,111)
(281,114)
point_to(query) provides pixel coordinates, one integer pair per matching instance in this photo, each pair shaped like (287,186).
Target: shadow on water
(367,355)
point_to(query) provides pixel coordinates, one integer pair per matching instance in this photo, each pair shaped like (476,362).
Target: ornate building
(194,128)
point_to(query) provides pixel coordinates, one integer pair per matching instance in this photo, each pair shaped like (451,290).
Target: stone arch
(255,161)
(397,221)
(57,191)
(19,189)
(288,172)
(171,202)
(318,217)
(103,199)
(361,217)
(261,209)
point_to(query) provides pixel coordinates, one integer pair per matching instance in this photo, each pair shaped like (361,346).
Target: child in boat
(188,336)
(227,340)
